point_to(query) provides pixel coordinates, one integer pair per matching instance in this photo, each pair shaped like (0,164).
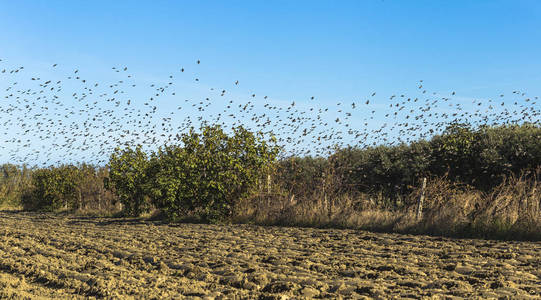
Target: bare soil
(51,256)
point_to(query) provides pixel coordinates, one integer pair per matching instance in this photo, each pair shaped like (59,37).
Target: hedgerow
(209,171)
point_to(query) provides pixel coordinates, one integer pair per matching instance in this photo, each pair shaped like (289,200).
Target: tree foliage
(301,176)
(53,188)
(129,179)
(14,181)
(480,157)
(210,172)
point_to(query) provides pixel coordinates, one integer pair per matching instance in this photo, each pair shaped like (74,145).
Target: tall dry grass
(509,211)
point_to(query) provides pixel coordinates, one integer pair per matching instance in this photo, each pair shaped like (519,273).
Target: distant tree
(53,188)
(14,180)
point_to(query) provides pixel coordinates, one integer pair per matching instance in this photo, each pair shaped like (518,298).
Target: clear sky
(290,50)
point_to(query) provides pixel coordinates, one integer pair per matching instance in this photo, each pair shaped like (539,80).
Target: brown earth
(51,256)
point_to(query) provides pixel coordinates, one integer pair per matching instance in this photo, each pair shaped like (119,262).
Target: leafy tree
(129,179)
(14,180)
(53,188)
(454,152)
(302,176)
(210,172)
(483,157)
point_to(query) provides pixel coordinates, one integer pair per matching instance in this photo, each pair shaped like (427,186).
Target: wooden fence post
(420,201)
(268,183)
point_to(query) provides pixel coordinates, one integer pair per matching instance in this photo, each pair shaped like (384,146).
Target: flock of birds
(67,118)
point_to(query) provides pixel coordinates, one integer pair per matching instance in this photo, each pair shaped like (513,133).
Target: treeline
(481,158)
(214,176)
(68,187)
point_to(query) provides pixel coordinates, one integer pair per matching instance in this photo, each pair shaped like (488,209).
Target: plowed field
(47,256)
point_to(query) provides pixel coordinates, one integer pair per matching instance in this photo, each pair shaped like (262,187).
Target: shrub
(486,156)
(129,179)
(210,172)
(92,192)
(383,169)
(53,188)
(479,157)
(453,152)
(301,176)
(14,181)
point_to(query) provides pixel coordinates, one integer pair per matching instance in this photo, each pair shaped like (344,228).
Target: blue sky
(292,48)
(288,50)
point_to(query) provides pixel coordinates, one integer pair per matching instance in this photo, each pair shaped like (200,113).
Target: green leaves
(479,157)
(53,188)
(484,156)
(210,172)
(129,179)
(206,175)
(14,181)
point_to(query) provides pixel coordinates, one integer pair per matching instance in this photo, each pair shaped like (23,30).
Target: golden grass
(510,211)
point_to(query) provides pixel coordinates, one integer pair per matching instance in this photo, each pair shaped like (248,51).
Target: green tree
(129,179)
(53,188)
(210,172)
(453,153)
(14,180)
(483,157)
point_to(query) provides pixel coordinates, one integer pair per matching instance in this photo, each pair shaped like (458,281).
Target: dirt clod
(71,257)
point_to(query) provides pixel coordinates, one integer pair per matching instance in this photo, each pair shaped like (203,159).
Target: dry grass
(10,207)
(510,211)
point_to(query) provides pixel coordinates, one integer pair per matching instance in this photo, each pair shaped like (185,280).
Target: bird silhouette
(67,117)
